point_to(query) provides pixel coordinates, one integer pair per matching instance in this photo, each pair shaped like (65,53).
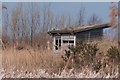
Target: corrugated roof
(79,29)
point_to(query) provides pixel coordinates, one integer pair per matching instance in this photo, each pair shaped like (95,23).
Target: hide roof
(78,29)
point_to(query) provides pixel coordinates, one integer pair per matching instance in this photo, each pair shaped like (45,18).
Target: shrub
(97,66)
(114,54)
(81,53)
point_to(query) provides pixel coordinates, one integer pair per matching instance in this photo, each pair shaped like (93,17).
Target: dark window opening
(71,41)
(60,43)
(68,41)
(57,43)
(56,48)
(65,41)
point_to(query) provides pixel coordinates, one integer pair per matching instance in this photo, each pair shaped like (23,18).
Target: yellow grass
(34,59)
(30,59)
(105,44)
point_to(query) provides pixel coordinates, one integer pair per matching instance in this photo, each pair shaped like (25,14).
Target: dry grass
(104,45)
(33,59)
(30,59)
(0,58)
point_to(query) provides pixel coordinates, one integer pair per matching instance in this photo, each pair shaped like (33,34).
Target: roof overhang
(69,32)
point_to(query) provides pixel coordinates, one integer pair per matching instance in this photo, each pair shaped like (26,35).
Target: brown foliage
(113,15)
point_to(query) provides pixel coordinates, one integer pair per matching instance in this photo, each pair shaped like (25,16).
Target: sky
(102,9)
(72,8)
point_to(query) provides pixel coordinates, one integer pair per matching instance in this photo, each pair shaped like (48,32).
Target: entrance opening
(57,43)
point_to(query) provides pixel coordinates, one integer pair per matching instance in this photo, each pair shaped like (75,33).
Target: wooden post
(74,40)
(53,43)
(61,43)
(48,45)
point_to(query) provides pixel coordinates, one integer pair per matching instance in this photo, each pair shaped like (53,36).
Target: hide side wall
(95,34)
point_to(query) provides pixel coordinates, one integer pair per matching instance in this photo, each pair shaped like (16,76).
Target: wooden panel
(90,35)
(67,37)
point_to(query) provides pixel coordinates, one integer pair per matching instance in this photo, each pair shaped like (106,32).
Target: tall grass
(30,59)
(33,59)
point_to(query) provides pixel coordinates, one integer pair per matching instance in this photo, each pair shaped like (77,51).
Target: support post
(74,40)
